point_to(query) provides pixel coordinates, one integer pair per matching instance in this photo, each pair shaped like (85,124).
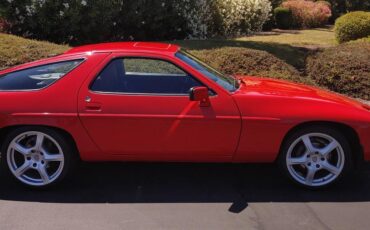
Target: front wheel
(316,157)
(37,156)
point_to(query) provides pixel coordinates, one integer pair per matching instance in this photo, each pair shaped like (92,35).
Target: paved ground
(184,196)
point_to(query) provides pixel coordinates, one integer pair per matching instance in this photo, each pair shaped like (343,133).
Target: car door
(137,107)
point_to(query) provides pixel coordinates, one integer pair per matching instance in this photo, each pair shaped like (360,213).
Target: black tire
(347,167)
(68,148)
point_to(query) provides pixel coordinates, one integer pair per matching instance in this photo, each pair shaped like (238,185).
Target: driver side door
(138,108)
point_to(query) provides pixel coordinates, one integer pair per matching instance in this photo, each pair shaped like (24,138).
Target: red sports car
(156,102)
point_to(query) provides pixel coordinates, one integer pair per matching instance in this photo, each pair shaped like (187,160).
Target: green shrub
(352,26)
(89,21)
(344,69)
(367,39)
(86,21)
(283,17)
(16,50)
(245,61)
(340,7)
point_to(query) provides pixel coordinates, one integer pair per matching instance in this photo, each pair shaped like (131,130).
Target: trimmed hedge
(246,61)
(367,39)
(283,17)
(352,26)
(16,50)
(344,69)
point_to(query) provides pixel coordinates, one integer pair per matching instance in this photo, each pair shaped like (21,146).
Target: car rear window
(37,77)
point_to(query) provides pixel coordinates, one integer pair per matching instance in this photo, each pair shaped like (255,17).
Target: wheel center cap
(36,157)
(314,159)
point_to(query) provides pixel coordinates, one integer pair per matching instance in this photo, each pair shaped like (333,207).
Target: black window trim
(212,92)
(37,66)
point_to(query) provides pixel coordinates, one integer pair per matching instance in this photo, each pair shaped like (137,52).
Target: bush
(12,50)
(283,17)
(4,25)
(344,69)
(352,26)
(250,62)
(200,17)
(340,7)
(367,39)
(88,21)
(243,16)
(308,14)
(228,18)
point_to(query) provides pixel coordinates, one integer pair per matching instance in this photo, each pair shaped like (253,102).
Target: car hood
(271,87)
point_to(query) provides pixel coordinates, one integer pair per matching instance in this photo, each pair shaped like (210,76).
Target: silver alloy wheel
(35,158)
(315,159)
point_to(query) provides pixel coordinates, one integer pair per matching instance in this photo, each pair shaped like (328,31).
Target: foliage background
(86,21)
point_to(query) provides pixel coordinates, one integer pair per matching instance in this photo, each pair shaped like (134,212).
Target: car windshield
(227,82)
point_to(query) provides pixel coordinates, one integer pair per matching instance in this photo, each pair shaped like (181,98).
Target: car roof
(101,48)
(125,46)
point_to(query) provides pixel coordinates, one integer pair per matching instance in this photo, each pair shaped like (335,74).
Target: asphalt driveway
(184,196)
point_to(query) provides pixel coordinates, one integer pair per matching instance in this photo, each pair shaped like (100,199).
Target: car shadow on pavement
(184,183)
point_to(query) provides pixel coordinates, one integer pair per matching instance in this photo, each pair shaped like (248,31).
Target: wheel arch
(349,132)
(5,130)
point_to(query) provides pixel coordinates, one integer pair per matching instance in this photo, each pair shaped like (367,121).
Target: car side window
(37,77)
(143,76)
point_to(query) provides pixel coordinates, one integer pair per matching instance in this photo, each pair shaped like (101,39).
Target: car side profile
(137,101)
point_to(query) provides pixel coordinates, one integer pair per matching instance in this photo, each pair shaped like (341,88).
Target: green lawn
(320,37)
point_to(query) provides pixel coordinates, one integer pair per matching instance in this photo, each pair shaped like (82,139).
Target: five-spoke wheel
(37,157)
(316,156)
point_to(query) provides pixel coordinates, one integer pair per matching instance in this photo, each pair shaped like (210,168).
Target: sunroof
(152,45)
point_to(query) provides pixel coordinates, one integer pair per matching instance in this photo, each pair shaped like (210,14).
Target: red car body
(248,125)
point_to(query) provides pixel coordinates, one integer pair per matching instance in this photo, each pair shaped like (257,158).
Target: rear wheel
(37,156)
(316,157)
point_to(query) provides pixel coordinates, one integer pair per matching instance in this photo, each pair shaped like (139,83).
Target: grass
(15,50)
(320,37)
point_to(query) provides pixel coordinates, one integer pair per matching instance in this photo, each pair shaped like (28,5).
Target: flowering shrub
(243,16)
(210,18)
(199,16)
(308,14)
(86,21)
